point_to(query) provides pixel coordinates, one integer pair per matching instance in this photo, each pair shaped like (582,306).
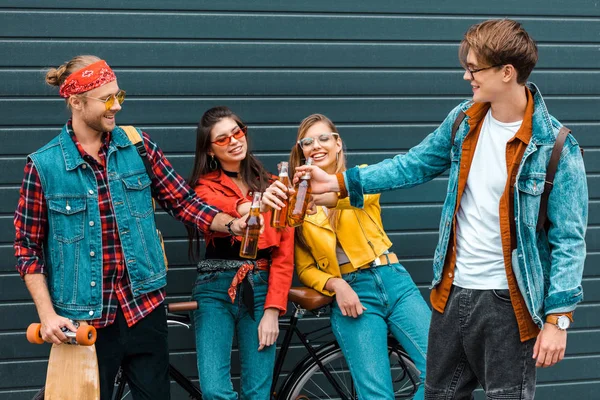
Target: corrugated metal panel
(379,69)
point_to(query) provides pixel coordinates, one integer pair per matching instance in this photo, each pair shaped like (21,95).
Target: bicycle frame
(291,329)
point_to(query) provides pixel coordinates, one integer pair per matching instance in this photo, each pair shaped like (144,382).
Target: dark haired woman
(236,294)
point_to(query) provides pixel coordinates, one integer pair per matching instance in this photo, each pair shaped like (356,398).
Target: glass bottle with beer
(299,200)
(279,217)
(251,234)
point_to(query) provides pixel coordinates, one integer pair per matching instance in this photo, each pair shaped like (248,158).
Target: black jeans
(141,350)
(476,341)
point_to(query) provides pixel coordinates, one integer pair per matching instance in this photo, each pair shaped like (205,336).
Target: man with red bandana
(86,239)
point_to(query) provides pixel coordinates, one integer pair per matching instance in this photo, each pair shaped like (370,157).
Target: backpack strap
(459,119)
(550,172)
(136,139)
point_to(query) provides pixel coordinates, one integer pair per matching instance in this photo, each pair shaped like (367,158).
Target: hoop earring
(337,158)
(213,163)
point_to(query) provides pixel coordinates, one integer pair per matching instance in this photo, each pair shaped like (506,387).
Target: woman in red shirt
(225,175)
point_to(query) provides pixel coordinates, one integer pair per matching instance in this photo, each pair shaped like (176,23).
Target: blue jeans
(393,304)
(215,322)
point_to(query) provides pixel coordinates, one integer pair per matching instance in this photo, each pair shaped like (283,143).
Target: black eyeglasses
(474,71)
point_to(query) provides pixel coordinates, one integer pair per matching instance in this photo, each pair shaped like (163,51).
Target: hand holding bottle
(320,181)
(299,201)
(238,224)
(311,209)
(279,215)
(275,195)
(252,232)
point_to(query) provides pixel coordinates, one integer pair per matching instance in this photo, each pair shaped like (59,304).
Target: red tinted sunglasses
(224,141)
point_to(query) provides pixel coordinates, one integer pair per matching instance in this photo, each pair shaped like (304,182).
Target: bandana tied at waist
(241,278)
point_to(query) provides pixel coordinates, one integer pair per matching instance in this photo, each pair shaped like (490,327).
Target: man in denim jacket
(503,293)
(85,235)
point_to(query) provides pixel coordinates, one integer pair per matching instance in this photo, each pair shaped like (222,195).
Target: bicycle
(321,374)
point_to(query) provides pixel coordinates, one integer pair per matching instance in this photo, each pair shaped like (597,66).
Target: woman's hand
(311,208)
(346,297)
(274,195)
(268,328)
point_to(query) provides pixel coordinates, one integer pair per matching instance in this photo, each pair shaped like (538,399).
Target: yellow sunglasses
(110,100)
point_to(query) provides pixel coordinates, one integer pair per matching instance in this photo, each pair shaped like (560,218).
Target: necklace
(230,174)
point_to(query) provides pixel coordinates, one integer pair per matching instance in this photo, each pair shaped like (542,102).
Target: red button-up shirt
(218,189)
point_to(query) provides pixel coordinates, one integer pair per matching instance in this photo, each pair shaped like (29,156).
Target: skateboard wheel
(33,334)
(85,335)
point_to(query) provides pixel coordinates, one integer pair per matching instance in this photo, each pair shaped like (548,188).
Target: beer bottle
(279,217)
(299,200)
(249,246)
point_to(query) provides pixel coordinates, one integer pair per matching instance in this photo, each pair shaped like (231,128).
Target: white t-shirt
(479,257)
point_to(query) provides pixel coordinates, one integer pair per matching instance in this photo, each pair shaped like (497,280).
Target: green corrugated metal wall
(385,72)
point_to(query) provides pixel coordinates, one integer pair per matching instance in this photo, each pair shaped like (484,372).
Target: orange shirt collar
(477,112)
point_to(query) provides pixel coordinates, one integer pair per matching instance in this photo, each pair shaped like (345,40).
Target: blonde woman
(344,252)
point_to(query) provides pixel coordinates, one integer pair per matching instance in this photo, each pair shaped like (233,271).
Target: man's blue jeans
(215,322)
(394,304)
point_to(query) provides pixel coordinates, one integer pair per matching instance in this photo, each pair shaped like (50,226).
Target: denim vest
(548,266)
(73,247)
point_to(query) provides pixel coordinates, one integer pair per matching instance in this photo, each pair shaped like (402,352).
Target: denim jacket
(73,251)
(548,266)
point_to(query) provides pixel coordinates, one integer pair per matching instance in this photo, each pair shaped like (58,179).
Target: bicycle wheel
(309,382)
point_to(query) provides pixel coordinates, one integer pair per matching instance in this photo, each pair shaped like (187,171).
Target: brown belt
(383,259)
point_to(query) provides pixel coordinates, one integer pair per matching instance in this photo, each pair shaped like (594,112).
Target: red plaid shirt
(172,193)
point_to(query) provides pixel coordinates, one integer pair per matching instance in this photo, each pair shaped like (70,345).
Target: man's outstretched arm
(422,163)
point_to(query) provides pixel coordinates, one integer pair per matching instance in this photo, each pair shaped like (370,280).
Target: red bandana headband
(87,78)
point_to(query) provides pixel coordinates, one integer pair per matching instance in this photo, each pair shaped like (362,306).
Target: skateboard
(72,366)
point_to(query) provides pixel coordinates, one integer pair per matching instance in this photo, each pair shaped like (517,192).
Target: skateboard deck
(72,368)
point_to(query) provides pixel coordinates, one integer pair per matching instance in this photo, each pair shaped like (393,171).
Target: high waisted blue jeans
(216,321)
(394,304)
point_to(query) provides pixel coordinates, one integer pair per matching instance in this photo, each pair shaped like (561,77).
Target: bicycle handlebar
(183,306)
(307,298)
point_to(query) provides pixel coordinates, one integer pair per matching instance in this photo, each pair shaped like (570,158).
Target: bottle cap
(283,168)
(256,198)
(309,161)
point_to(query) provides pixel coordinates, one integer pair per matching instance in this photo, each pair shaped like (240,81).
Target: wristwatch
(561,321)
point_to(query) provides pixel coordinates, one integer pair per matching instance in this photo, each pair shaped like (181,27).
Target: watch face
(563,322)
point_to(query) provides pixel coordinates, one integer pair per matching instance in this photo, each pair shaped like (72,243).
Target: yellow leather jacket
(359,231)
